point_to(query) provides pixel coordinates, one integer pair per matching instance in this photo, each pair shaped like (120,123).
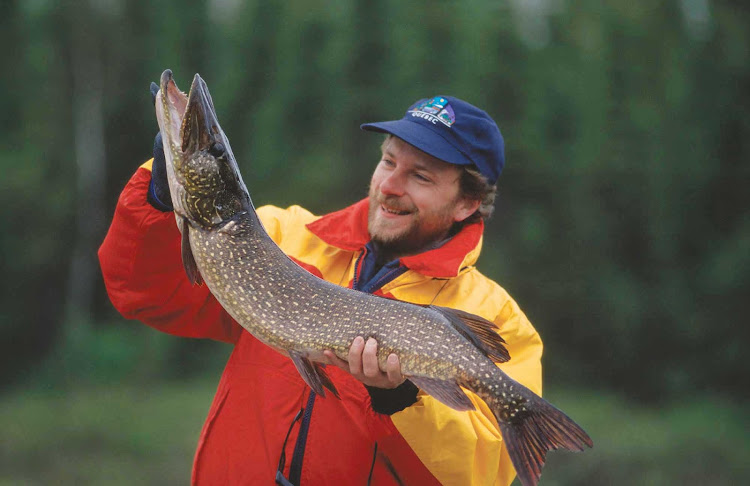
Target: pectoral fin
(446,391)
(314,374)
(188,261)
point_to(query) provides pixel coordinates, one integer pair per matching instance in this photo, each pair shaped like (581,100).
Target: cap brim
(421,137)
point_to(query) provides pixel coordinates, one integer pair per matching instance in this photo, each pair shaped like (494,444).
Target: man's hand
(363,364)
(159,195)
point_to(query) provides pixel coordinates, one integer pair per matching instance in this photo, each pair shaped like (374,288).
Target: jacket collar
(347,229)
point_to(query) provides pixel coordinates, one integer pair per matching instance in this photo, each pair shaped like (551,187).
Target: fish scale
(300,315)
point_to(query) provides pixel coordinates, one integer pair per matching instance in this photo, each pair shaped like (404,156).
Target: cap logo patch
(435,110)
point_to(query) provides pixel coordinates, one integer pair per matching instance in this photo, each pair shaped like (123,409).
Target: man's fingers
(393,368)
(355,356)
(363,364)
(370,359)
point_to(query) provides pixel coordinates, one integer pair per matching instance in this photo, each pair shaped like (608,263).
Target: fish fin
(314,374)
(326,380)
(532,432)
(188,260)
(481,332)
(446,391)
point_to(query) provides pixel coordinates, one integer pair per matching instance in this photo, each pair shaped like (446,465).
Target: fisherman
(415,238)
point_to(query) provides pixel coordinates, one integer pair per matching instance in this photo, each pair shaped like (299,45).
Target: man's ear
(465,208)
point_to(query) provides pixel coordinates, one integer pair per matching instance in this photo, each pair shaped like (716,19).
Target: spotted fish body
(295,311)
(300,315)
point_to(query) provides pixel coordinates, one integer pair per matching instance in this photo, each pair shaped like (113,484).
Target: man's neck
(386,253)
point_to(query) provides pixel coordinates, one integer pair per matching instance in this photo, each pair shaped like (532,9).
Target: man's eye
(388,163)
(422,178)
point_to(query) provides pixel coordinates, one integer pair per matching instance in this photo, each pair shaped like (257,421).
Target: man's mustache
(393,203)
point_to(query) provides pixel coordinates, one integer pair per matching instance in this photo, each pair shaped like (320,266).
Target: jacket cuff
(154,200)
(390,401)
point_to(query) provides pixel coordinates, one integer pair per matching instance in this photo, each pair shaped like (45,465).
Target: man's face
(414,199)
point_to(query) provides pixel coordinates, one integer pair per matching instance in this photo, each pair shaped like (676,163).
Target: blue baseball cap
(451,130)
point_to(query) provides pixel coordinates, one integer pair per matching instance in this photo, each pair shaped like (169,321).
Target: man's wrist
(389,401)
(154,200)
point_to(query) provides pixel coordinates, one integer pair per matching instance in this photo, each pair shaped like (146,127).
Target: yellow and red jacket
(261,392)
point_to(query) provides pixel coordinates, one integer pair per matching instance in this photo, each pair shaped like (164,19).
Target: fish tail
(531,426)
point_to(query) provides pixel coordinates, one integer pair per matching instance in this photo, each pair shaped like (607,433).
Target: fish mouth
(188,122)
(170,109)
(200,126)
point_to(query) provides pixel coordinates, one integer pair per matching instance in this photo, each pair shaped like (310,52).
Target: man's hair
(473,185)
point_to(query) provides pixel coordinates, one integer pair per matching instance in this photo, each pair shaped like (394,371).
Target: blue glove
(158,191)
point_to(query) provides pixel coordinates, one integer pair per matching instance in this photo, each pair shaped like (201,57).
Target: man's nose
(392,185)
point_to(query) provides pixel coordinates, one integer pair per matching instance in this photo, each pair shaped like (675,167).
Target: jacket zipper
(295,467)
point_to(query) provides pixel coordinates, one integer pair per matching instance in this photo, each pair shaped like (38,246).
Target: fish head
(204,179)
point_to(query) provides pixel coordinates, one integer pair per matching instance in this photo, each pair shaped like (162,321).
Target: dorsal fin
(481,332)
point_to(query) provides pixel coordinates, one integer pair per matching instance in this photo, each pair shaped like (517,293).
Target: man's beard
(417,236)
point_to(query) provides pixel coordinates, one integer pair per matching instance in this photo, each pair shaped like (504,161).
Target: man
(415,238)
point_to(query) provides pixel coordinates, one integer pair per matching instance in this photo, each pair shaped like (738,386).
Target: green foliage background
(622,226)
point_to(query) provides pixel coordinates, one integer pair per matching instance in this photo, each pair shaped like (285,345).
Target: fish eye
(217,149)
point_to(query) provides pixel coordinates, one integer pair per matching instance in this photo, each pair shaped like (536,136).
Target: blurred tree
(622,226)
(36,189)
(87,99)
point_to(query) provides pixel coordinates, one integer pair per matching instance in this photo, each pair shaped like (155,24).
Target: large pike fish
(301,315)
